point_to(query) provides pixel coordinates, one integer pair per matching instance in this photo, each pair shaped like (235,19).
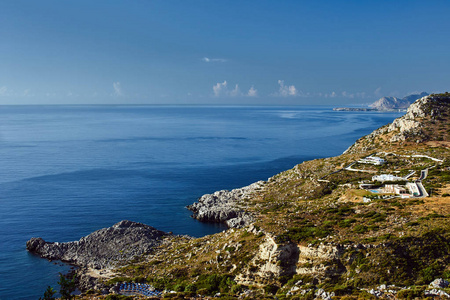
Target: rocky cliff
(417,125)
(102,248)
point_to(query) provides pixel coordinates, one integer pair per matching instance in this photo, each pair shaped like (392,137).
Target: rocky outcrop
(410,124)
(223,206)
(408,127)
(439,283)
(274,260)
(271,262)
(102,248)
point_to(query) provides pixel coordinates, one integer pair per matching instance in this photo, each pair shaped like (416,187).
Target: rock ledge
(223,206)
(102,248)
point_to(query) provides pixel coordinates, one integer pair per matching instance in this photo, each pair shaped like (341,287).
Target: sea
(66,171)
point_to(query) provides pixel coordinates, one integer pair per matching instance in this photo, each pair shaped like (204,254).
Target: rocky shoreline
(223,206)
(98,253)
(103,248)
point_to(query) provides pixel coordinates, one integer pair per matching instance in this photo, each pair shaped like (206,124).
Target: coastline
(251,169)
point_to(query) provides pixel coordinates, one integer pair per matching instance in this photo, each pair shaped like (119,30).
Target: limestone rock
(439,283)
(320,293)
(223,206)
(271,261)
(436,292)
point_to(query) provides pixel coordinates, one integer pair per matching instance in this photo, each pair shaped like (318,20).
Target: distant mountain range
(387,103)
(390,103)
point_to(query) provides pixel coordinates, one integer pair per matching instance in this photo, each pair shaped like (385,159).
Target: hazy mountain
(388,103)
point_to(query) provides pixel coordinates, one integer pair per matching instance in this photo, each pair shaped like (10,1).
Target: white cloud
(286,90)
(208,60)
(220,88)
(117,89)
(235,92)
(344,94)
(361,95)
(292,90)
(330,95)
(348,95)
(252,92)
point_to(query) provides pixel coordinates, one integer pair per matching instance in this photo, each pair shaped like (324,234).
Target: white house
(387,177)
(374,160)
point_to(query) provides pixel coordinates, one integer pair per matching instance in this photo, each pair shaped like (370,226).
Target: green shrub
(346,223)
(428,274)
(67,286)
(139,279)
(360,229)
(191,288)
(271,289)
(236,289)
(179,288)
(203,292)
(49,294)
(411,293)
(341,290)
(230,249)
(372,239)
(305,233)
(211,284)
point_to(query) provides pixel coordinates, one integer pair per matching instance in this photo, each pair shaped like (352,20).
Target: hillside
(327,228)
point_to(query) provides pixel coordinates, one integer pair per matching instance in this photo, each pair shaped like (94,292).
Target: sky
(221,52)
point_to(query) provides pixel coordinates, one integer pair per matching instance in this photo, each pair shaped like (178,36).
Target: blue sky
(221,52)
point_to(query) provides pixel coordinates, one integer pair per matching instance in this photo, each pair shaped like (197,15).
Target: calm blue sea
(66,171)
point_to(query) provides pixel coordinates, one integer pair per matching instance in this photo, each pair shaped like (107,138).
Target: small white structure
(386,177)
(374,160)
(367,200)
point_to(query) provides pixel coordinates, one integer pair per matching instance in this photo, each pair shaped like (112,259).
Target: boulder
(439,283)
